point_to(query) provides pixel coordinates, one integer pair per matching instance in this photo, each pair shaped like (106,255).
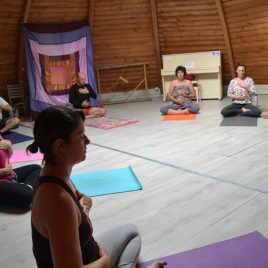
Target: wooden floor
(202,183)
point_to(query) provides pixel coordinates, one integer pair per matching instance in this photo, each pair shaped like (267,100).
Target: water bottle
(17,112)
(255,100)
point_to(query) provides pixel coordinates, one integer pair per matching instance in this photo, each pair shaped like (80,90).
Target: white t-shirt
(235,90)
(2,102)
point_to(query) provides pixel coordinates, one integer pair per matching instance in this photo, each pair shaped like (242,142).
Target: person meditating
(16,185)
(8,123)
(79,96)
(180,93)
(62,232)
(241,89)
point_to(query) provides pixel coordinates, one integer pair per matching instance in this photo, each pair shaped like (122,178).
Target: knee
(164,110)
(130,230)
(223,111)
(102,111)
(17,120)
(25,198)
(194,109)
(35,167)
(28,198)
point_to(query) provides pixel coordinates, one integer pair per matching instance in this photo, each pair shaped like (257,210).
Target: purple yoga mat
(247,251)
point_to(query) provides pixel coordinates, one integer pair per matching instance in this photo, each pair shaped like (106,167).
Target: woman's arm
(85,201)
(170,92)
(7,146)
(231,89)
(248,85)
(192,90)
(5,168)
(62,225)
(103,262)
(6,107)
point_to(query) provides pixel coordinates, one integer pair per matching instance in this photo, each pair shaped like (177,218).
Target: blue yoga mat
(107,182)
(16,137)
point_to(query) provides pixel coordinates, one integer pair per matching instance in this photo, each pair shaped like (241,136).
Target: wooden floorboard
(177,209)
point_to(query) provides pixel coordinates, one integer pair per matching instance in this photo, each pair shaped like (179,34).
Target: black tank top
(41,246)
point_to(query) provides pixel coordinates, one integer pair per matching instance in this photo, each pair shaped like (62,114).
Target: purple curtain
(55,53)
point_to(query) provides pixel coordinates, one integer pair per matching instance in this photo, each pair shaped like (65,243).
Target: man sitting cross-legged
(79,97)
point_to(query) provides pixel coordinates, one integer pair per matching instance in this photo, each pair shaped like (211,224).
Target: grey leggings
(123,244)
(193,108)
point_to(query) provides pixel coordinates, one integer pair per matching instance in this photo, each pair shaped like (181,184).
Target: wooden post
(99,87)
(21,51)
(91,14)
(226,36)
(156,39)
(145,76)
(145,80)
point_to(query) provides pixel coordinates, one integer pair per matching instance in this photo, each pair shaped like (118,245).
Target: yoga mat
(174,117)
(22,156)
(109,122)
(107,182)
(239,121)
(247,251)
(16,137)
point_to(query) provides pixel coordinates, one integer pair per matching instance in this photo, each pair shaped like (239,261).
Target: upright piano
(205,65)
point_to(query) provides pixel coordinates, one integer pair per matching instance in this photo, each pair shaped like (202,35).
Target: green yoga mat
(107,182)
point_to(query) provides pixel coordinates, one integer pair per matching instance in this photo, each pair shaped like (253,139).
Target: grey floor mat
(240,121)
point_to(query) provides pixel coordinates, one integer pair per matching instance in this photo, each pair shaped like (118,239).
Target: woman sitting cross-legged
(16,185)
(242,90)
(180,93)
(62,232)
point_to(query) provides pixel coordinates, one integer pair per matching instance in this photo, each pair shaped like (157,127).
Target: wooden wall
(191,26)
(247,22)
(10,18)
(123,33)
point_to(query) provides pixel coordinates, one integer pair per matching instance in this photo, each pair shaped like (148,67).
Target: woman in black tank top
(61,230)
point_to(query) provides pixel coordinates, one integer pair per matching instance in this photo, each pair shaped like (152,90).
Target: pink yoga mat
(22,156)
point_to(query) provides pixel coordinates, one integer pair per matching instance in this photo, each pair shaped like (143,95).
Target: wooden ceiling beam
(91,15)
(21,47)
(226,36)
(156,38)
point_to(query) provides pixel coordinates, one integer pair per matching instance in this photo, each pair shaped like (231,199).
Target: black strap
(45,179)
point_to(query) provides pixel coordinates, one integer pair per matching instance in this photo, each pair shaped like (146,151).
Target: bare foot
(185,111)
(246,110)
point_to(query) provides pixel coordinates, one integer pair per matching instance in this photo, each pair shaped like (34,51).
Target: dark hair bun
(33,148)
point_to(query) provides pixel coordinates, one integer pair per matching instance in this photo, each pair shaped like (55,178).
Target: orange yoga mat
(173,117)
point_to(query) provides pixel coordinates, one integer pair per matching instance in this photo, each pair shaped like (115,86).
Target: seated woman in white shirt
(241,90)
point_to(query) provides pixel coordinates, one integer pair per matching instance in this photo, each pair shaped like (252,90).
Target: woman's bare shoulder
(50,200)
